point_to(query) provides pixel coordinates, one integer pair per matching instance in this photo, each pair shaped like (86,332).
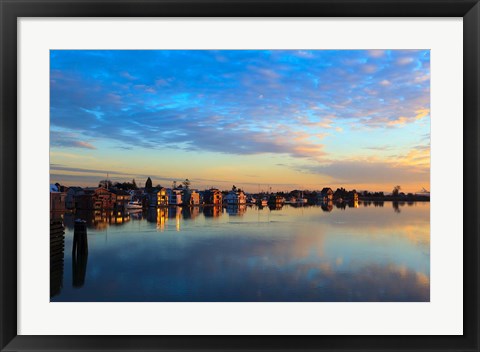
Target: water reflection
(98,219)
(152,215)
(212,211)
(190,212)
(359,251)
(396,206)
(79,253)
(327,206)
(375,203)
(79,268)
(162,216)
(277,206)
(234,210)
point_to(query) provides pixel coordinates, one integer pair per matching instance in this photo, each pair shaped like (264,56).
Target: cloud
(127,75)
(422,113)
(380,147)
(402,120)
(369,172)
(422,78)
(419,157)
(405,60)
(305,54)
(377,53)
(68,140)
(411,167)
(81,144)
(82,175)
(266,72)
(369,68)
(77,175)
(247,103)
(57,167)
(162,82)
(377,120)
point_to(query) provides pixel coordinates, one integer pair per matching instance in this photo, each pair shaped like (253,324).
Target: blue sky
(261,118)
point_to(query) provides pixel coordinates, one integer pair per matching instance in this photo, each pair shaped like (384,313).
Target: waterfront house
(57,199)
(174,196)
(103,198)
(191,197)
(235,196)
(119,199)
(326,195)
(212,196)
(84,199)
(340,195)
(162,197)
(201,196)
(276,199)
(157,197)
(352,196)
(251,199)
(152,198)
(72,193)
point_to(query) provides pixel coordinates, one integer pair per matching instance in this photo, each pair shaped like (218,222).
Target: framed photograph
(255,175)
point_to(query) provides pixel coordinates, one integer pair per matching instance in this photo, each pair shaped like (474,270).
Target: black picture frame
(11,10)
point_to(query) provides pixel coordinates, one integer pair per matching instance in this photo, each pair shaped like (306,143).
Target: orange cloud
(422,113)
(402,120)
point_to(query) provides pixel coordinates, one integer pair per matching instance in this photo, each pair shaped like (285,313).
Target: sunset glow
(260,119)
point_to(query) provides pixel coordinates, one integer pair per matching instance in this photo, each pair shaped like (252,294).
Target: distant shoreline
(390,199)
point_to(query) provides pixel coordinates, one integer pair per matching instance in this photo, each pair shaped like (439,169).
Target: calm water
(368,253)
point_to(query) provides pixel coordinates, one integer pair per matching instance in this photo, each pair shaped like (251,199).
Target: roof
(119,192)
(75,188)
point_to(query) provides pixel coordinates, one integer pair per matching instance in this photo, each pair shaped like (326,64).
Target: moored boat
(134,205)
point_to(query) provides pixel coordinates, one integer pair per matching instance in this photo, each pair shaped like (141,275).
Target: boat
(276,199)
(292,200)
(134,205)
(301,200)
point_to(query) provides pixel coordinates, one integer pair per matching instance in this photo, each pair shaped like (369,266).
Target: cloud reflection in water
(292,254)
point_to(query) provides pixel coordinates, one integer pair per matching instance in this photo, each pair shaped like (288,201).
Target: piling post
(80,242)
(57,245)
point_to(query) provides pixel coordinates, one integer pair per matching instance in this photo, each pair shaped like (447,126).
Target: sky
(259,119)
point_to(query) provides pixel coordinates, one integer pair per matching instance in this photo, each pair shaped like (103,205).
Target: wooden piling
(57,247)
(80,242)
